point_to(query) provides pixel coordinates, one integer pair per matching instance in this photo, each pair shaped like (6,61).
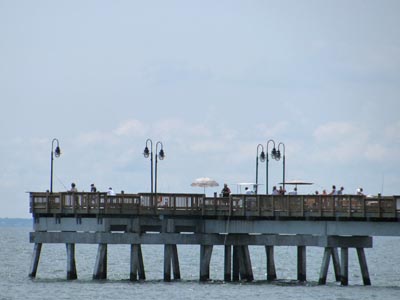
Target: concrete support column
(71,265)
(228,263)
(325,266)
(205,258)
(175,262)
(301,263)
(363,266)
(235,263)
(100,268)
(336,263)
(35,259)
(141,272)
(171,259)
(137,265)
(271,272)
(344,266)
(248,270)
(167,262)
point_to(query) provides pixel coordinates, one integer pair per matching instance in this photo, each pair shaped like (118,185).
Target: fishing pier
(334,223)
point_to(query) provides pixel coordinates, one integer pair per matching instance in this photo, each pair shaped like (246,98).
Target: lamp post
(279,155)
(274,156)
(146,154)
(161,155)
(262,159)
(54,152)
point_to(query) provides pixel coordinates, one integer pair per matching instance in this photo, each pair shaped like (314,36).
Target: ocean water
(50,283)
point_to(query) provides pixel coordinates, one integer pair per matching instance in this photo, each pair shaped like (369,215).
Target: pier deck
(236,222)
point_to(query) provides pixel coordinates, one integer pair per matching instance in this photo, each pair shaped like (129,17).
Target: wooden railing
(302,206)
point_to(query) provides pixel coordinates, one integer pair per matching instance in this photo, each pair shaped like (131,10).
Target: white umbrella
(297,182)
(205,182)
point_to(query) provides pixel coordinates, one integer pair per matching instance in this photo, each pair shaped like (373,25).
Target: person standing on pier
(93,188)
(73,188)
(340,192)
(334,192)
(226,191)
(110,192)
(275,191)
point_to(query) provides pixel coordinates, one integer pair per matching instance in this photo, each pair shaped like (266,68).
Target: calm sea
(16,251)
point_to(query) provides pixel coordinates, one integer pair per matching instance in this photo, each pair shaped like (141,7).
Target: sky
(210,80)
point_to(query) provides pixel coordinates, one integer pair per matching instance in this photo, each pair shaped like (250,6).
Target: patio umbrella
(205,182)
(297,182)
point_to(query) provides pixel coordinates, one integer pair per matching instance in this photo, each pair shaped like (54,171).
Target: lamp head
(146,152)
(161,154)
(278,155)
(262,156)
(57,152)
(273,153)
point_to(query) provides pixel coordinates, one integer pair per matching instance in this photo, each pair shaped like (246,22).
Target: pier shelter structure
(335,223)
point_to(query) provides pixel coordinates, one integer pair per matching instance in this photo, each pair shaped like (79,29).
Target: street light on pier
(146,154)
(273,156)
(160,155)
(279,156)
(262,159)
(54,152)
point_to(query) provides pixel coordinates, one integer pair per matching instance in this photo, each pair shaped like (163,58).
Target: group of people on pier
(225,192)
(93,189)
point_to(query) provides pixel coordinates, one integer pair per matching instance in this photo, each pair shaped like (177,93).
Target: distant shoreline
(15,222)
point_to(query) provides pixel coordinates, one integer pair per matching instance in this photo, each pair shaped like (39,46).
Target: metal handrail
(352,206)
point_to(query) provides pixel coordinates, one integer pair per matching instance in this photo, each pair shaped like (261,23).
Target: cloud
(344,142)
(334,132)
(392,132)
(131,128)
(272,130)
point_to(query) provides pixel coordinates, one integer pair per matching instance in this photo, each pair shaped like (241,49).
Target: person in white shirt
(248,191)
(334,192)
(110,192)
(275,191)
(340,192)
(294,192)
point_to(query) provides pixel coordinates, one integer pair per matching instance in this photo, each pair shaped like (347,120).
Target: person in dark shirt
(225,191)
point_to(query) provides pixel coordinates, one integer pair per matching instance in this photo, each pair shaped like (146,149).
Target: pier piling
(336,263)
(37,248)
(235,264)
(71,265)
(205,258)
(228,263)
(363,266)
(100,268)
(271,271)
(301,263)
(344,266)
(137,265)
